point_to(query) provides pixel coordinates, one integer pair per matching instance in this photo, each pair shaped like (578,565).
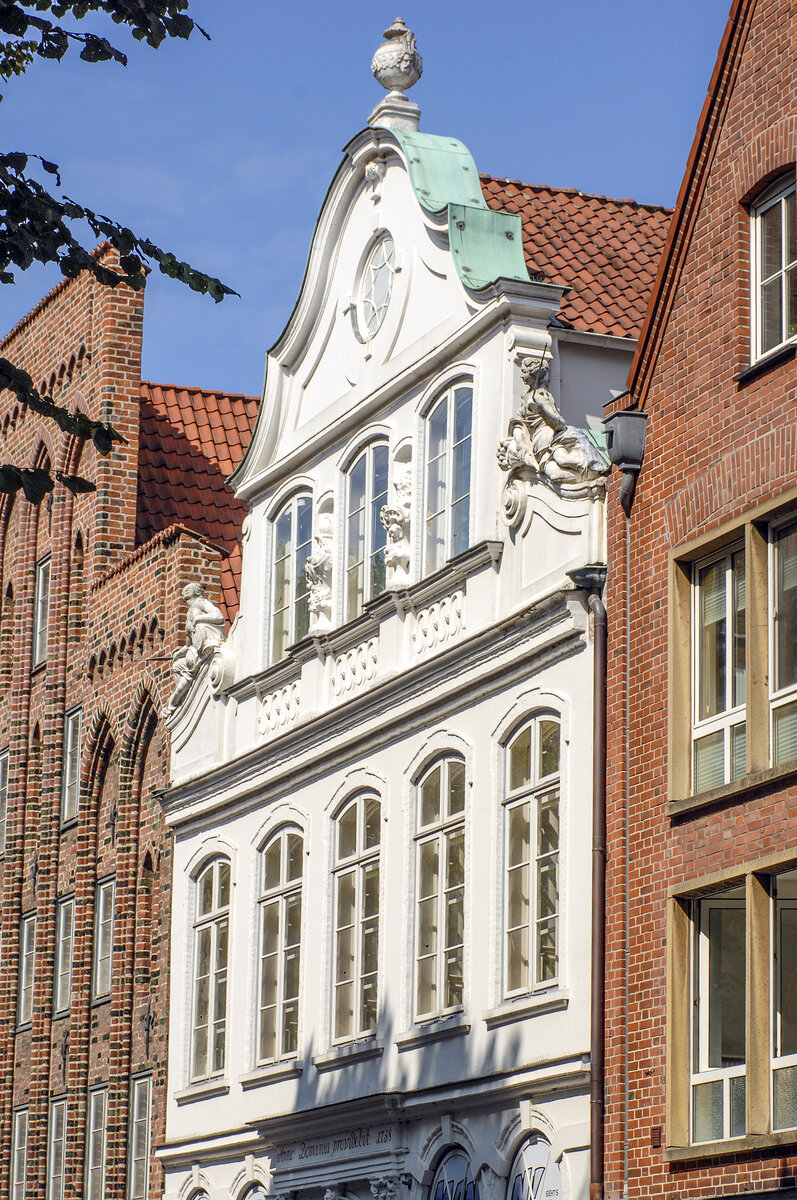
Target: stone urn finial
(397,65)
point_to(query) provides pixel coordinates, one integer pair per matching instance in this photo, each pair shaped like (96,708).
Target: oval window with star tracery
(376,285)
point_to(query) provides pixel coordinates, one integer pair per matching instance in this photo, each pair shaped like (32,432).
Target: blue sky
(222,152)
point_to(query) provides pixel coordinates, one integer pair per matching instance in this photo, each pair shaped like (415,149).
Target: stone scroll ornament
(542,447)
(204,637)
(318,573)
(396,519)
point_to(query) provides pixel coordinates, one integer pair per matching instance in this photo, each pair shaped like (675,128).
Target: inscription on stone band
(364,1137)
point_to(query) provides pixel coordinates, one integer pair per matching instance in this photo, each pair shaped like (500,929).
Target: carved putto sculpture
(396,519)
(318,572)
(204,634)
(542,446)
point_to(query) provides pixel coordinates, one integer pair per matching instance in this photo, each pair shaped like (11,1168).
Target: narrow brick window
(356,882)
(138,1158)
(19,1155)
(774,273)
(448,454)
(95,1144)
(293,534)
(532,857)
(27,960)
(56,1147)
(103,939)
(280,946)
(3,799)
(65,928)
(440,887)
(70,779)
(211,945)
(41,612)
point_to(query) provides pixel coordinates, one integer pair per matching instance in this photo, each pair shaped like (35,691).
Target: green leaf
(76,484)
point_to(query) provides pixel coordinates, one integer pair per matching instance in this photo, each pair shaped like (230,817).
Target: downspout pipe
(592,580)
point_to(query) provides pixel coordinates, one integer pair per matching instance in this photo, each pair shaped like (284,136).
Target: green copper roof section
(486,245)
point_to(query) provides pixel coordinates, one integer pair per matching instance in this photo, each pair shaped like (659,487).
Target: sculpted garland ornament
(542,447)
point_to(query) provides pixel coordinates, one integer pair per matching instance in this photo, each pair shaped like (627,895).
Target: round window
(376,284)
(535,1175)
(453,1180)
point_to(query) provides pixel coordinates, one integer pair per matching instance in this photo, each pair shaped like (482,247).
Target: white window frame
(4,762)
(139,1127)
(783,697)
(363,860)
(539,789)
(362,331)
(733,715)
(19,1155)
(218,918)
(441,832)
(56,1150)
(70,774)
(27,968)
(64,941)
(282,895)
(701,1072)
(370,552)
(773,196)
(96,1143)
(102,964)
(448,397)
(298,591)
(41,611)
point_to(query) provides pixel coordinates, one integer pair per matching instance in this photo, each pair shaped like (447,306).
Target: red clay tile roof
(606,250)
(190,441)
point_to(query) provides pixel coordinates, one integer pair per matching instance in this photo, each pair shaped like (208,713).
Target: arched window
(293,535)
(366,494)
(280,946)
(211,946)
(535,1172)
(532,856)
(356,880)
(440,888)
(453,1179)
(448,436)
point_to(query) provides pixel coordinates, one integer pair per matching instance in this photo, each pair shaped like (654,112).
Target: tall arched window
(532,856)
(366,494)
(448,436)
(211,947)
(453,1179)
(440,888)
(280,946)
(293,535)
(357,839)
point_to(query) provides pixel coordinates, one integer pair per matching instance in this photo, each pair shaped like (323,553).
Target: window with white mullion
(70,782)
(27,961)
(293,532)
(719,667)
(211,944)
(95,1144)
(138,1155)
(532,857)
(448,469)
(774,277)
(784,1007)
(19,1159)
(365,533)
(56,1150)
(718,1041)
(280,946)
(63,954)
(103,938)
(3,799)
(356,885)
(41,612)
(440,930)
(783,642)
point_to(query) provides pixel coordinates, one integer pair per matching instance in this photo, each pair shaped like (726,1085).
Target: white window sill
(203,1090)
(531,1005)
(341,1056)
(271,1073)
(434,1030)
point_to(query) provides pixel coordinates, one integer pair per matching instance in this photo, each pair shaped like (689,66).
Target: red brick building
(701,986)
(91,612)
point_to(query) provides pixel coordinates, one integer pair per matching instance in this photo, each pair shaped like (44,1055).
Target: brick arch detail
(767,155)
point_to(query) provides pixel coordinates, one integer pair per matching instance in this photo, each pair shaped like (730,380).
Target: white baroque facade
(381,805)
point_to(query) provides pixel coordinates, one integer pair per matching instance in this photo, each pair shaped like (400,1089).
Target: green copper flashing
(486,245)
